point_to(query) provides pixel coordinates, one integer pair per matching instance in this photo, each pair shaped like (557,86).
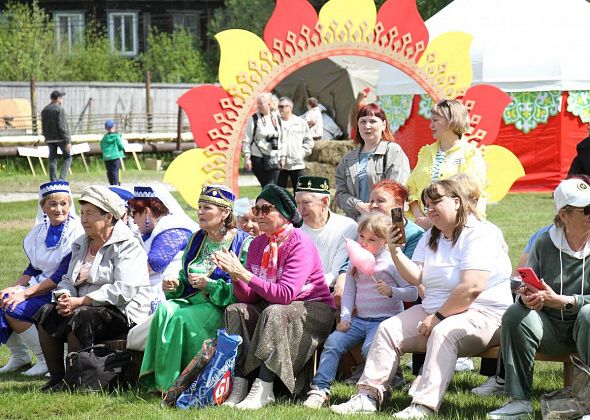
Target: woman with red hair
(377,157)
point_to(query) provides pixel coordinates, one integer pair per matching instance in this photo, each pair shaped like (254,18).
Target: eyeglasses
(284,106)
(263,209)
(585,210)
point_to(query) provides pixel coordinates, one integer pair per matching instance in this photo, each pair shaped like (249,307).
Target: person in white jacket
(295,146)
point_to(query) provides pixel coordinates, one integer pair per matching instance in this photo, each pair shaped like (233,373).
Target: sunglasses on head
(263,209)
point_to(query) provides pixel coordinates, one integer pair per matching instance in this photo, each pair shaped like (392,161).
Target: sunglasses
(263,209)
(585,210)
(284,106)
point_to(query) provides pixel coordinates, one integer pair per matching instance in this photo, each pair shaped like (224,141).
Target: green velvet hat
(315,184)
(284,202)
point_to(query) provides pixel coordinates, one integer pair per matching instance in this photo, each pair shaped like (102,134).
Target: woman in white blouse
(465,271)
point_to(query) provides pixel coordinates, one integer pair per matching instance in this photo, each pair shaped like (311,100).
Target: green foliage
(93,59)
(27,43)
(173,58)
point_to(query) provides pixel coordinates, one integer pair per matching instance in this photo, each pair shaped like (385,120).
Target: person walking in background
(113,150)
(296,145)
(57,135)
(313,116)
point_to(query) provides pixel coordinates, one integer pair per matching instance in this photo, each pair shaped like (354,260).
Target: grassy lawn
(518,216)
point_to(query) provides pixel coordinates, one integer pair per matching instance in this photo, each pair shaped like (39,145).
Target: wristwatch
(569,303)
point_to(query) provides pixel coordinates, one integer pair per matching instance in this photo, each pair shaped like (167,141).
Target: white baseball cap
(572,192)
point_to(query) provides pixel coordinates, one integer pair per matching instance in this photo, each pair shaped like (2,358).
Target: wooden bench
(568,367)
(42,152)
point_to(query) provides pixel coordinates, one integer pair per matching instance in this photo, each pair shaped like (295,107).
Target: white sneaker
(489,387)
(358,404)
(260,395)
(316,398)
(39,369)
(238,392)
(15,363)
(414,411)
(463,363)
(514,409)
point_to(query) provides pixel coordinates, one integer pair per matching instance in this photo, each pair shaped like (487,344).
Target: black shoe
(54,385)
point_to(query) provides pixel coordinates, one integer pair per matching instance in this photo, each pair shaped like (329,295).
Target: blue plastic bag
(213,385)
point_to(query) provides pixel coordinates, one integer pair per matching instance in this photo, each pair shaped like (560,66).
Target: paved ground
(243,181)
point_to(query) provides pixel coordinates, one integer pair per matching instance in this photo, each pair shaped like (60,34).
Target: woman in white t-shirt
(465,271)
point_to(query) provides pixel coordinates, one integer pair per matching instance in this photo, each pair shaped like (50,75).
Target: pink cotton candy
(362,259)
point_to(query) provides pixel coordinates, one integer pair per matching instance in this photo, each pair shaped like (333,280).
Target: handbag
(214,383)
(96,368)
(271,162)
(572,402)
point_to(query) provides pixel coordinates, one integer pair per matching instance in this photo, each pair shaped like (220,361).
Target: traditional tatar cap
(54,187)
(105,199)
(220,195)
(316,184)
(144,192)
(572,192)
(283,201)
(123,193)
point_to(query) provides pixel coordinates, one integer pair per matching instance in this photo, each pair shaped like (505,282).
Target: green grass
(519,215)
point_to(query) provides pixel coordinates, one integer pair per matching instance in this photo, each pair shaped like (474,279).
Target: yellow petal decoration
(241,54)
(354,19)
(503,170)
(190,171)
(447,61)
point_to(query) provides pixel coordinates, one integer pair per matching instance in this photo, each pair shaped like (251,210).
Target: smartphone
(528,275)
(397,218)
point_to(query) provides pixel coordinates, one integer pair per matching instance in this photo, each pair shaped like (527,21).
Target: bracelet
(440,316)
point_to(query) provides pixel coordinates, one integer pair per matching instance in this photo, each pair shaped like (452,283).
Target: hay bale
(330,151)
(321,169)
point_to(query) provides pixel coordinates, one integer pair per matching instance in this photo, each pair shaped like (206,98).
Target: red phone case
(529,276)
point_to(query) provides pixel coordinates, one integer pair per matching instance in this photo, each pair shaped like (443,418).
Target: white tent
(518,45)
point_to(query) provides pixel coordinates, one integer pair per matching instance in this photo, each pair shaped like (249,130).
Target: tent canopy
(518,45)
(334,81)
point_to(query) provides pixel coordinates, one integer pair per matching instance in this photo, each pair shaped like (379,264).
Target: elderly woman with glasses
(106,289)
(287,310)
(448,155)
(465,271)
(556,318)
(199,294)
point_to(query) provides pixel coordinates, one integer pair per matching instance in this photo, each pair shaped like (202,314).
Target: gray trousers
(524,332)
(53,160)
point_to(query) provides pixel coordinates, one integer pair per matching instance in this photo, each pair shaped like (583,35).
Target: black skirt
(88,323)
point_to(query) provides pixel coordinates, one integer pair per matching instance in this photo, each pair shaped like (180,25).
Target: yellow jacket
(464,157)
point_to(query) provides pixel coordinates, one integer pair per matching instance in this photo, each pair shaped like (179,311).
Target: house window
(69,29)
(188,21)
(123,32)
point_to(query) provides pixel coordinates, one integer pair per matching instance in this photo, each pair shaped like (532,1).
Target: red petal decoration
(206,115)
(486,104)
(404,15)
(289,16)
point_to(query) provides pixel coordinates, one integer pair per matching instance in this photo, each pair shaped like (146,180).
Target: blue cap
(52,187)
(108,124)
(125,195)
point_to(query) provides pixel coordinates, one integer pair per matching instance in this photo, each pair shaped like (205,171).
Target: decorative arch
(295,36)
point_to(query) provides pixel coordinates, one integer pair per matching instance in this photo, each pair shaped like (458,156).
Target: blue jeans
(339,343)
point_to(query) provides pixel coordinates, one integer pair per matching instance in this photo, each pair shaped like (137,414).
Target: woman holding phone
(464,270)
(553,318)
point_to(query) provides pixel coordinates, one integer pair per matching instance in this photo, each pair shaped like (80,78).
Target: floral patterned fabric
(425,106)
(578,103)
(529,109)
(397,108)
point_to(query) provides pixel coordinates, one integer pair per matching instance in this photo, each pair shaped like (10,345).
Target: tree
(174,58)
(27,43)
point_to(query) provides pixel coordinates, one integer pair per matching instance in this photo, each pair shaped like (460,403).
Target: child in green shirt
(113,150)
